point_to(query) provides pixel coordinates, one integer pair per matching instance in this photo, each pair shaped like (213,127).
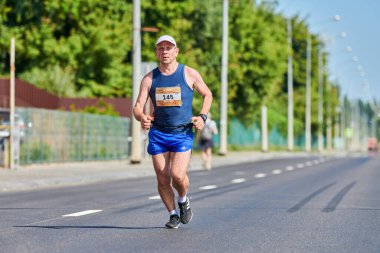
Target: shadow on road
(89,227)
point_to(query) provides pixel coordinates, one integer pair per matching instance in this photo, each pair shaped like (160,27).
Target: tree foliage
(84,48)
(92,38)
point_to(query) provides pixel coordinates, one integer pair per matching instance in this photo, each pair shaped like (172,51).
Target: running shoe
(185,211)
(173,222)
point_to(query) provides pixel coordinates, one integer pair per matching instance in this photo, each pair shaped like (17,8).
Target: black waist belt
(173,129)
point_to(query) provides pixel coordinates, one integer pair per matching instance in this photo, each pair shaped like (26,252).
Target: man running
(171,88)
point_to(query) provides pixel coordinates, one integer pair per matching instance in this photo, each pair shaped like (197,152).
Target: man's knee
(179,178)
(163,178)
(164,183)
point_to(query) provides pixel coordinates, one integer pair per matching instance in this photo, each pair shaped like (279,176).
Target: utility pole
(320,99)
(12,106)
(308,97)
(224,84)
(290,89)
(343,124)
(264,129)
(329,121)
(136,127)
(337,123)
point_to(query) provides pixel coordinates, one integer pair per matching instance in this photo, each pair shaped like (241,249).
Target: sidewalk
(65,174)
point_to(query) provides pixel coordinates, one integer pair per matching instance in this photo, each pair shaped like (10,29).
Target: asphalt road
(310,204)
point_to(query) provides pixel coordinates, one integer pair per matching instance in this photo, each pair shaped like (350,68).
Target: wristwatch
(203,116)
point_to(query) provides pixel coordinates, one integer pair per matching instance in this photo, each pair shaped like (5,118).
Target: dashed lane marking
(309,163)
(238,180)
(155,197)
(82,213)
(300,165)
(276,172)
(289,168)
(260,175)
(208,187)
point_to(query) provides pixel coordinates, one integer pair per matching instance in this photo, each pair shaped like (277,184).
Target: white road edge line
(82,213)
(208,187)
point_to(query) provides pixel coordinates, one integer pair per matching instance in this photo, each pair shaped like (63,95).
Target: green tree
(93,38)
(257,58)
(84,48)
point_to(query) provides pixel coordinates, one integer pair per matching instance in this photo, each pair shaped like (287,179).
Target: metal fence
(242,137)
(60,136)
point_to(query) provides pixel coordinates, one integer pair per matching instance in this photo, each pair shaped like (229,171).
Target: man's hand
(198,122)
(146,121)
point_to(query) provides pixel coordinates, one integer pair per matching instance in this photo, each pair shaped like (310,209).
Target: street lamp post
(290,90)
(224,83)
(308,96)
(12,105)
(320,99)
(329,121)
(320,95)
(136,128)
(343,124)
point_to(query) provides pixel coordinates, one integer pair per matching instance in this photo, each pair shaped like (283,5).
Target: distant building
(28,95)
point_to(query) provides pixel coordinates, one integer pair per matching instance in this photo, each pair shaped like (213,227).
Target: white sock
(173,212)
(182,199)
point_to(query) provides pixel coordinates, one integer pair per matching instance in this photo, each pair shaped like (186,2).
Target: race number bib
(168,96)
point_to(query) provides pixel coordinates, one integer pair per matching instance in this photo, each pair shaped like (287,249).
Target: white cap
(166,38)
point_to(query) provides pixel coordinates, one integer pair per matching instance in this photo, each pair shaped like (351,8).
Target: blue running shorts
(160,142)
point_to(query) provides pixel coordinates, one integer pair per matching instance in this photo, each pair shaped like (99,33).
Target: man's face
(166,52)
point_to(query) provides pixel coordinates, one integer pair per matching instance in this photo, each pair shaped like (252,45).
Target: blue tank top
(172,100)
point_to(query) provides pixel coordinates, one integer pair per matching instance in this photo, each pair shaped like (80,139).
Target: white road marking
(289,168)
(238,180)
(208,187)
(275,172)
(81,213)
(316,161)
(155,197)
(309,163)
(300,165)
(260,175)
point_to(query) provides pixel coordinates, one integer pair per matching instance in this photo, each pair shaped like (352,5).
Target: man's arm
(193,77)
(138,109)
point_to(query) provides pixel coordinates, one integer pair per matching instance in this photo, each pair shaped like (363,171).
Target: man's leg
(204,157)
(179,165)
(209,158)
(161,163)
